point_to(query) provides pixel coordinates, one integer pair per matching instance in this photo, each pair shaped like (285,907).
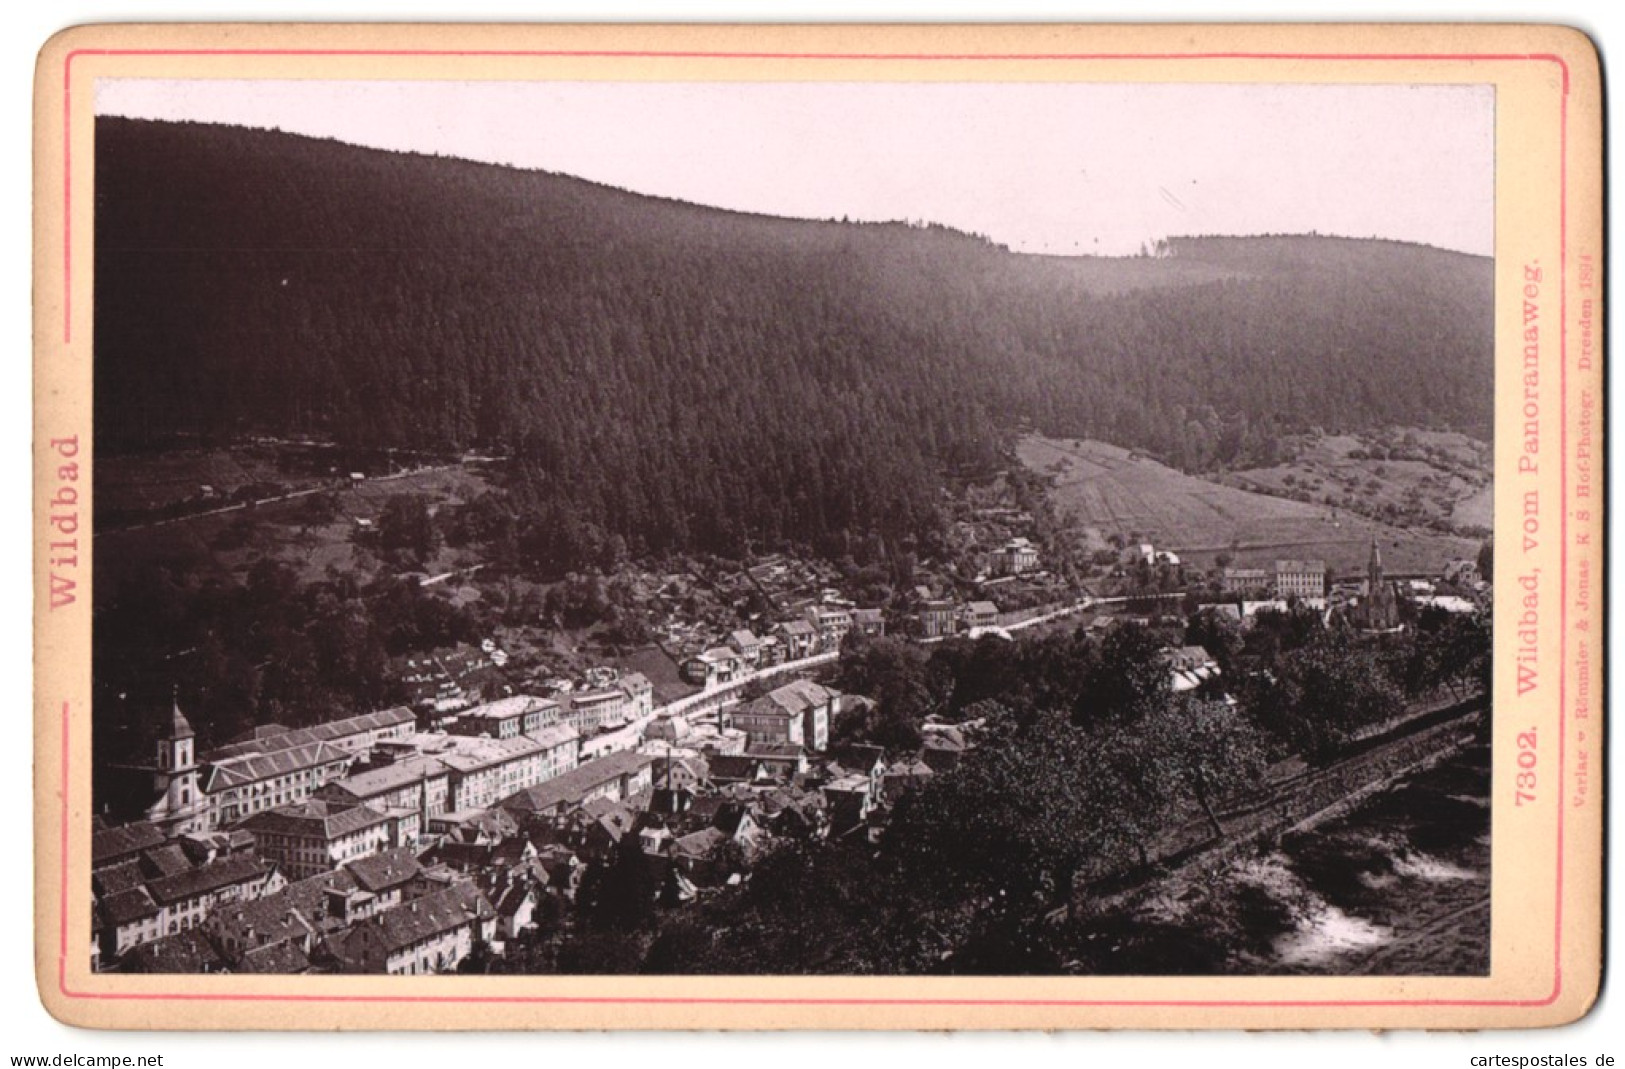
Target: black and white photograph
(792,528)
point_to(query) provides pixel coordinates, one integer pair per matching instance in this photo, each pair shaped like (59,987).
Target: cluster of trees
(265,650)
(679,377)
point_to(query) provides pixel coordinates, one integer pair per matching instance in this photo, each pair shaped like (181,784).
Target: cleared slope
(1120,492)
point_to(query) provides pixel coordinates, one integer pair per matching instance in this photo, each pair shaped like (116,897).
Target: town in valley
(502,573)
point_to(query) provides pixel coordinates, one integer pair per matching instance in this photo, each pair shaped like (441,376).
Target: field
(1403,476)
(1115,491)
(224,544)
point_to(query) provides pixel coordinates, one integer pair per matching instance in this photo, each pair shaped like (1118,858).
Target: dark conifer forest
(691,378)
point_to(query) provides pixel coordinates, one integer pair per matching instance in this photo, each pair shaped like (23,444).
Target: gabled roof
(468,755)
(504,708)
(699,844)
(385,778)
(187,951)
(569,788)
(292,913)
(206,878)
(316,819)
(166,860)
(120,877)
(385,870)
(346,728)
(800,695)
(422,918)
(275,959)
(254,767)
(554,735)
(112,844)
(124,907)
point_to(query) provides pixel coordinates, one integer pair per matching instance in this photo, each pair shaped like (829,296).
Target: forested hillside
(686,377)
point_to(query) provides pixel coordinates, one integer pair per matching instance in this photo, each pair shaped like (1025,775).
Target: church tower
(1381,609)
(180,799)
(1374,571)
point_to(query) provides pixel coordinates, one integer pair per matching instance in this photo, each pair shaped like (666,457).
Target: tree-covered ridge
(687,377)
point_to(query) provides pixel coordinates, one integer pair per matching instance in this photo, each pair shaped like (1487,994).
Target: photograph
(793,527)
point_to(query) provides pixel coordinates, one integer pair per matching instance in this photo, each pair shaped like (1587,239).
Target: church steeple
(179,726)
(175,750)
(176,781)
(1374,569)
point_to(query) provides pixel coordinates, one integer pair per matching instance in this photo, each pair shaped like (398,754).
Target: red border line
(1563,523)
(1557,984)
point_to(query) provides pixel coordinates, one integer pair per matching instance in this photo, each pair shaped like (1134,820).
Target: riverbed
(1397,885)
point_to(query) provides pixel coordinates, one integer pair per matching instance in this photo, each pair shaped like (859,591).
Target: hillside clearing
(1116,491)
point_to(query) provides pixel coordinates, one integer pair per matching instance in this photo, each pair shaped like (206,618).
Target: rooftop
(391,777)
(569,788)
(315,818)
(328,732)
(111,844)
(386,870)
(206,878)
(423,918)
(504,708)
(253,767)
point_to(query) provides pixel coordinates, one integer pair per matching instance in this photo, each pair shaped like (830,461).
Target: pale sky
(1045,168)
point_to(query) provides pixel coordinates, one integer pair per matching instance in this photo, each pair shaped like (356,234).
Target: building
(715,667)
(418,783)
(315,836)
(171,903)
(747,646)
(640,695)
(592,711)
(1378,610)
(426,935)
(616,777)
(507,718)
(352,734)
(561,750)
(800,712)
(981,614)
(269,767)
(1189,667)
(484,770)
(938,618)
(1013,558)
(180,804)
(1243,581)
(869,622)
(1300,578)
(800,639)
(831,622)
(250,783)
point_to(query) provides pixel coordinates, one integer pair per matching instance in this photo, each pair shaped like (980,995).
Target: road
(290,496)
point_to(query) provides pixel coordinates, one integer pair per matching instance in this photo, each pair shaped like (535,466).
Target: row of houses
(942,617)
(483,753)
(821,629)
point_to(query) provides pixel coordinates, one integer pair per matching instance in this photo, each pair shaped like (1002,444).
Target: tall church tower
(179,805)
(1381,609)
